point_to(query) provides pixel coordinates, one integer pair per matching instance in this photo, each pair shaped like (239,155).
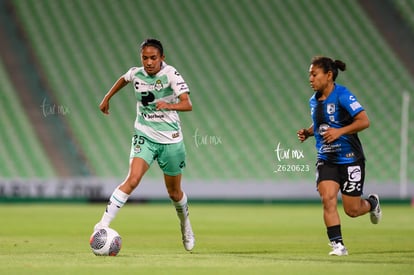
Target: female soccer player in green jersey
(160,91)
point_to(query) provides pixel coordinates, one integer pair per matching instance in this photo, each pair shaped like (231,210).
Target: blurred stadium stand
(246,63)
(406,9)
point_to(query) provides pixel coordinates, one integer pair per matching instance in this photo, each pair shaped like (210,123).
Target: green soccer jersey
(162,126)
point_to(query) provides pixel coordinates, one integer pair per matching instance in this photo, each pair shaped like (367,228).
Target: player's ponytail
(340,65)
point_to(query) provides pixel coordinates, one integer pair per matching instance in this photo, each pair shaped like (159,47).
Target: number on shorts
(138,140)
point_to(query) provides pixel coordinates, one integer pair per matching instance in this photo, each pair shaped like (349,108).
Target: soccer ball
(105,242)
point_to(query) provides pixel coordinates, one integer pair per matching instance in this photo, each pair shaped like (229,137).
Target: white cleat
(187,236)
(338,249)
(97,227)
(376,213)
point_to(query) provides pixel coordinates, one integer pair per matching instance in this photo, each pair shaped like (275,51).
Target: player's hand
(162,105)
(331,134)
(302,135)
(104,106)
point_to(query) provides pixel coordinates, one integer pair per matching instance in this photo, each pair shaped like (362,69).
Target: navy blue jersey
(337,110)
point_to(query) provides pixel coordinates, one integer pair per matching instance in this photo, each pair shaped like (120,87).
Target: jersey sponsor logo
(350,155)
(330,148)
(183,87)
(330,108)
(147,98)
(136,84)
(355,105)
(145,87)
(142,86)
(153,116)
(322,128)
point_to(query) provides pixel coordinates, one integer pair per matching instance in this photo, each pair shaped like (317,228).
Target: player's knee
(329,201)
(175,195)
(352,212)
(132,181)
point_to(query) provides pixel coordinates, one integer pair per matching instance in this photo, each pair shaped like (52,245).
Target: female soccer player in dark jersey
(337,118)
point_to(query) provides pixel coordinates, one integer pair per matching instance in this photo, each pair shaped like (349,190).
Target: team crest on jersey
(330,108)
(158,85)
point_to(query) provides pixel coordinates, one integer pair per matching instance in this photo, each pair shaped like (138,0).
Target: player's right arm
(119,84)
(304,133)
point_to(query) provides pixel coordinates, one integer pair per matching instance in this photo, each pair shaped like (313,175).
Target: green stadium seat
(246,64)
(22,155)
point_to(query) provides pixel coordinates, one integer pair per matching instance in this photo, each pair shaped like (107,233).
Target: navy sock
(334,234)
(373,202)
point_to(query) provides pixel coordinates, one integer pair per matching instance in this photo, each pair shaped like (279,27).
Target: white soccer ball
(105,242)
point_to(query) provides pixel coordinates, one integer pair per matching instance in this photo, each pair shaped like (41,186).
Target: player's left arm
(181,91)
(183,105)
(359,123)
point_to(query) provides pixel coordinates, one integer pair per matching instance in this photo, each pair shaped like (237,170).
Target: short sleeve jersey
(161,126)
(337,110)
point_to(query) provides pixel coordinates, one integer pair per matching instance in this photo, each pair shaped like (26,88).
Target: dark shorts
(350,177)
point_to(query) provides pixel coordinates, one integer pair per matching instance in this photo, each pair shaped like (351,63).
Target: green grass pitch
(231,239)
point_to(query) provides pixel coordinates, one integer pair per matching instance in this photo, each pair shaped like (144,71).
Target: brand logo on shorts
(137,149)
(354,173)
